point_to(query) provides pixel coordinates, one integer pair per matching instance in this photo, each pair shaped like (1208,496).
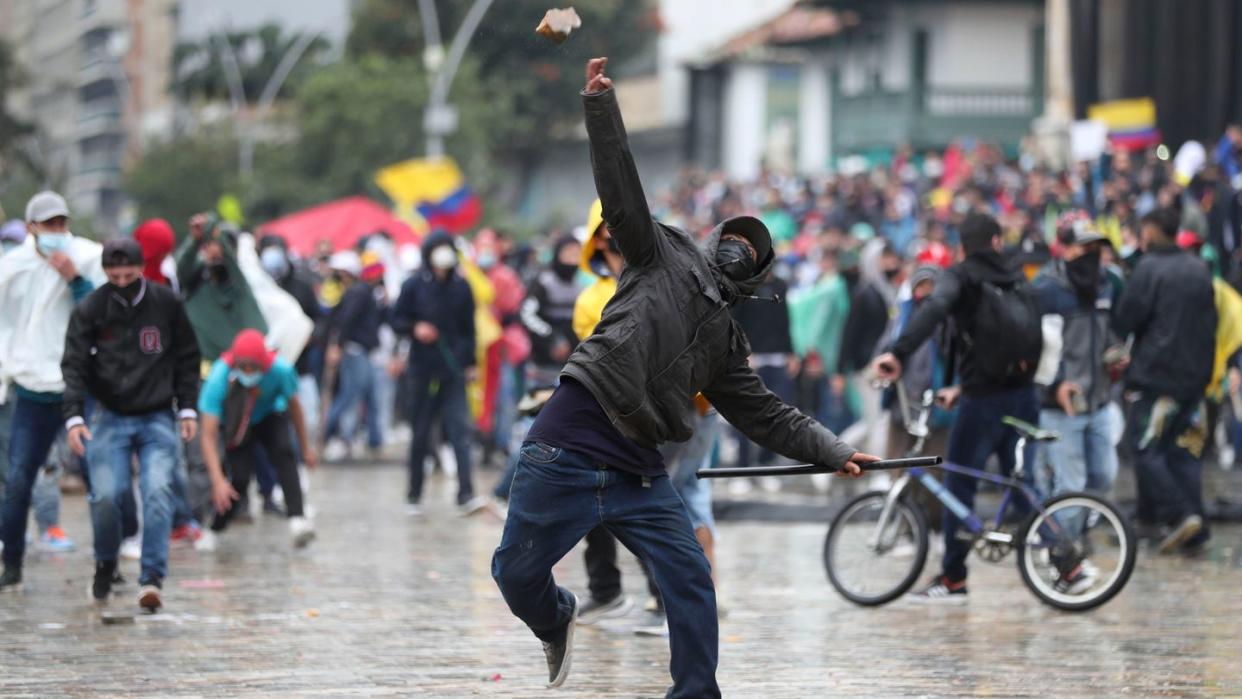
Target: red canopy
(343,222)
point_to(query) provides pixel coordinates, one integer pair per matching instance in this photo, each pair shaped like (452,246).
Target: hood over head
(595,219)
(435,240)
(757,233)
(155,237)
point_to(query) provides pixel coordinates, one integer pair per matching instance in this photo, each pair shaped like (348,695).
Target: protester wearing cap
(40,281)
(592,455)
(1082,358)
(217,298)
(352,334)
(130,347)
(250,400)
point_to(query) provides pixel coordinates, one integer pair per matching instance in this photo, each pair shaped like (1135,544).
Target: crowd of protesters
(229,356)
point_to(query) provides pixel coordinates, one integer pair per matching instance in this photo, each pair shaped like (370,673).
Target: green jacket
(217,311)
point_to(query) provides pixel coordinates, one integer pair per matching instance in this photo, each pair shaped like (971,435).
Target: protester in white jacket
(40,282)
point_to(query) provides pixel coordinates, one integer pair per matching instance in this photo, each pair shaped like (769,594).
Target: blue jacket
(448,305)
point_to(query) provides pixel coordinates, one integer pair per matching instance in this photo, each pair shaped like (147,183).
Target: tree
(176,179)
(538,78)
(20,174)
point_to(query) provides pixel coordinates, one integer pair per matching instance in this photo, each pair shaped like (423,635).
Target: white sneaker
(472,506)
(302,531)
(131,548)
(206,542)
(334,451)
(413,509)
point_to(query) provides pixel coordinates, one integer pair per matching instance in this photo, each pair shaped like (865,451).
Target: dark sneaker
(12,579)
(561,651)
(118,581)
(149,596)
(942,591)
(594,610)
(1079,580)
(101,586)
(271,508)
(1180,534)
(654,626)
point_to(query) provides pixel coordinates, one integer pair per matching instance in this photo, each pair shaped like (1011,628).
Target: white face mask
(51,243)
(443,257)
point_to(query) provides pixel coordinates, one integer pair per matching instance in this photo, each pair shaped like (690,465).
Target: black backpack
(1007,337)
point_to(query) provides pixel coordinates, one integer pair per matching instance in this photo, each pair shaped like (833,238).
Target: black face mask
(1084,275)
(218,272)
(612,245)
(563,271)
(130,292)
(734,260)
(891,274)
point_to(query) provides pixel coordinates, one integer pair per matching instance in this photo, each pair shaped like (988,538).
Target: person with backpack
(997,336)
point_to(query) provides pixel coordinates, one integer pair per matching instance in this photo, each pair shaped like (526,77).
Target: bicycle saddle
(1030,431)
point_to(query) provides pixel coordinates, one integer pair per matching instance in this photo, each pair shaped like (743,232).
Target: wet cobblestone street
(382,604)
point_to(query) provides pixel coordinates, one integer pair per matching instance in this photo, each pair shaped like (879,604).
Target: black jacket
(765,323)
(448,305)
(956,296)
(1170,308)
(547,313)
(667,335)
(864,327)
(356,318)
(133,359)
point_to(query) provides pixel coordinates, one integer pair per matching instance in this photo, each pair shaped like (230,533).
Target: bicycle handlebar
(811,469)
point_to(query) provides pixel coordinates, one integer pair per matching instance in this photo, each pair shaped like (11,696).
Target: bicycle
(1074,553)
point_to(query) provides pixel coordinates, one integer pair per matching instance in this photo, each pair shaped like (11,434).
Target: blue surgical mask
(8,246)
(51,243)
(249,379)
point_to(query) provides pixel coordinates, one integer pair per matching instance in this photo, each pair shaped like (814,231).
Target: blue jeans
(444,396)
(1084,458)
(357,385)
(1167,437)
(34,428)
(977,434)
(153,438)
(557,497)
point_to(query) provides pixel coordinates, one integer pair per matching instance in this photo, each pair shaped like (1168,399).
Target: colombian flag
(1131,123)
(435,188)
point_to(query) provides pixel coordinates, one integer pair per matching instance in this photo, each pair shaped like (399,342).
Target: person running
(352,334)
(40,282)
(131,348)
(250,399)
(591,457)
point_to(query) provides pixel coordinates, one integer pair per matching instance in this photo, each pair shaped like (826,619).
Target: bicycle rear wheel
(1078,553)
(871,556)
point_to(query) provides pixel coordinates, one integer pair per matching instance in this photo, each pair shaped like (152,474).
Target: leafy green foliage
(199,69)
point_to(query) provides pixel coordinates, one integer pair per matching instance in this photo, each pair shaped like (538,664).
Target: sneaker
(301,530)
(131,548)
(101,585)
(594,610)
(242,514)
(55,541)
(206,542)
(335,451)
(149,597)
(271,507)
(654,626)
(1078,580)
(413,509)
(559,653)
(941,591)
(187,534)
(1182,533)
(11,579)
(472,506)
(118,580)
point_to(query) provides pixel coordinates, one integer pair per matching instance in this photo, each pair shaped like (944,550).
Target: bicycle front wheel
(1077,553)
(873,555)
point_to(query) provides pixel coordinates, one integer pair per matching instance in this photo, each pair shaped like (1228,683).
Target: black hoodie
(667,334)
(956,296)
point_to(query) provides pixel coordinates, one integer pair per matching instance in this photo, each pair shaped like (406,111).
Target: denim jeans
(445,396)
(34,428)
(977,434)
(6,423)
(1163,433)
(153,438)
(357,385)
(558,496)
(506,479)
(1084,458)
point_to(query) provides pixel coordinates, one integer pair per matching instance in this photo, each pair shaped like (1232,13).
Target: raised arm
(616,177)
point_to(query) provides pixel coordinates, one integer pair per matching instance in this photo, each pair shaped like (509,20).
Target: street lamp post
(440,119)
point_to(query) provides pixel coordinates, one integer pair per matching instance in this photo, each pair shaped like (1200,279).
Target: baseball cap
(346,261)
(45,206)
(753,230)
(121,252)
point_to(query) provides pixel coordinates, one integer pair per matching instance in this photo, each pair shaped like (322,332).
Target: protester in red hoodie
(156,238)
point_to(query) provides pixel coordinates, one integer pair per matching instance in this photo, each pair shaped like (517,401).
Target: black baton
(811,469)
